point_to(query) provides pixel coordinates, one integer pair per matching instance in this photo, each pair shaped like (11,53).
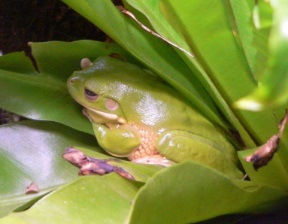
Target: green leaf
(91,199)
(273,82)
(61,59)
(195,21)
(206,28)
(32,152)
(239,17)
(221,40)
(17,62)
(184,196)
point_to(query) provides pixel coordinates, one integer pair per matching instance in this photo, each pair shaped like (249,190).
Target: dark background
(23,21)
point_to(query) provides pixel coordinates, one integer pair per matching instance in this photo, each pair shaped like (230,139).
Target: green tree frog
(136,115)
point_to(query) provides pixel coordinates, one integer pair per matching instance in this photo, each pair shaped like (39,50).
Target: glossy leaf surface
(203,198)
(83,201)
(32,152)
(272,33)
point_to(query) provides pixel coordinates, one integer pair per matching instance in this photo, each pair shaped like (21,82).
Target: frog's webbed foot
(154,160)
(89,166)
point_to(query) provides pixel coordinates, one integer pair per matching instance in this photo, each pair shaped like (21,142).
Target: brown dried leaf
(263,155)
(91,166)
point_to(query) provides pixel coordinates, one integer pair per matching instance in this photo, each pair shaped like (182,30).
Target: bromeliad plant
(236,78)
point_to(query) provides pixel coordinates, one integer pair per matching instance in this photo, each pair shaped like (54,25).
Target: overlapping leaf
(202,199)
(273,81)
(223,57)
(85,200)
(32,152)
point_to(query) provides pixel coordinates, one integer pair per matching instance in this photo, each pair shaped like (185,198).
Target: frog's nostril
(73,79)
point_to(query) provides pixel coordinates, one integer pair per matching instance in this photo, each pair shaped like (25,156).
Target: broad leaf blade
(225,62)
(274,81)
(192,198)
(32,152)
(88,200)
(61,59)
(17,62)
(239,17)
(40,97)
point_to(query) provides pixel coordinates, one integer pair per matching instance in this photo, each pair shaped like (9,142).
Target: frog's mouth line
(112,117)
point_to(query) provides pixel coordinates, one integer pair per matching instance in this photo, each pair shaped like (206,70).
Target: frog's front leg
(182,145)
(118,140)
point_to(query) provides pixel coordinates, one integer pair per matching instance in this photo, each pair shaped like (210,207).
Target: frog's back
(154,102)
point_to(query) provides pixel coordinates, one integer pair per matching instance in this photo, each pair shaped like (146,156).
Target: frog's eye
(90,95)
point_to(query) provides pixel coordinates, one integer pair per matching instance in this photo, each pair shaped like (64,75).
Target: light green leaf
(239,17)
(17,62)
(32,152)
(273,82)
(206,28)
(87,200)
(61,59)
(190,192)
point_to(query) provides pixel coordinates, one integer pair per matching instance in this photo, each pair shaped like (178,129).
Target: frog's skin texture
(136,115)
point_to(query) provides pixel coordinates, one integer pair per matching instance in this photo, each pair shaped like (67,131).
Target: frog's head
(94,89)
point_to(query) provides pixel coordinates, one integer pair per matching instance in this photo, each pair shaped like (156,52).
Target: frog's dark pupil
(90,93)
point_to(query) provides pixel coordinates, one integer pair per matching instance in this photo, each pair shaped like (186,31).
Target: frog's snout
(73,79)
(72,83)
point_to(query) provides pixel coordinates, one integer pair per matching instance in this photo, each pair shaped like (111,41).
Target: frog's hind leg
(180,146)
